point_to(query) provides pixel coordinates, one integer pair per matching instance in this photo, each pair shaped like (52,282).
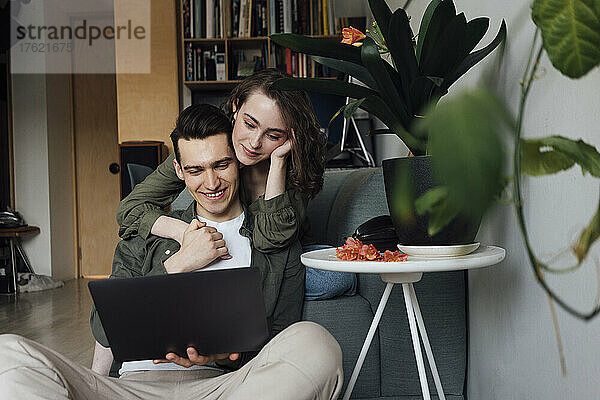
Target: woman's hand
(280,153)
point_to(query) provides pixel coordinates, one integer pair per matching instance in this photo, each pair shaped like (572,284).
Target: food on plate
(355,250)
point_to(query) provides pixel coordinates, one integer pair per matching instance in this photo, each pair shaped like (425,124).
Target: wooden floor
(58,318)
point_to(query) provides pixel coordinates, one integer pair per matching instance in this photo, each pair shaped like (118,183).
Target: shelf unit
(228,46)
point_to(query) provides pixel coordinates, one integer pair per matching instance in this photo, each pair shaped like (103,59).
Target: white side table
(406,273)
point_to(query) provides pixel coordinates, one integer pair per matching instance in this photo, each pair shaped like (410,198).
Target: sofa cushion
(361,197)
(319,208)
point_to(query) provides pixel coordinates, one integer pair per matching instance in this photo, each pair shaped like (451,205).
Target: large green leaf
(442,15)
(440,215)
(473,58)
(355,70)
(556,153)
(403,53)
(422,92)
(372,103)
(570,33)
(425,25)
(467,149)
(376,106)
(386,88)
(590,234)
(449,49)
(382,14)
(476,30)
(347,110)
(318,47)
(329,86)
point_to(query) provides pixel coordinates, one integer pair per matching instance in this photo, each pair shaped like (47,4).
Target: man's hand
(196,359)
(201,245)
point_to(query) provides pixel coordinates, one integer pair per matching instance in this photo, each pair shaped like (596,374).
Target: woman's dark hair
(307,157)
(199,121)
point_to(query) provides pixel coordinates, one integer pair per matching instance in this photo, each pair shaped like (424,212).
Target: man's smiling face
(210,171)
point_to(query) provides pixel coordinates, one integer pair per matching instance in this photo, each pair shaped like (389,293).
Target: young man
(302,360)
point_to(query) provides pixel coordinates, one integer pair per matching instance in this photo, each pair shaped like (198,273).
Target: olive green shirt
(281,272)
(277,221)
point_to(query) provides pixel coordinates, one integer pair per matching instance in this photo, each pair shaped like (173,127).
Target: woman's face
(258,129)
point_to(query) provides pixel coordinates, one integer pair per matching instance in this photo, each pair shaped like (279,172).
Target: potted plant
(403,78)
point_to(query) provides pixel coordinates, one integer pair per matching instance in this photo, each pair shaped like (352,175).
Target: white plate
(439,251)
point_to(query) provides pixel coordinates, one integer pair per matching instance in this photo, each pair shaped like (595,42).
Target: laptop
(215,312)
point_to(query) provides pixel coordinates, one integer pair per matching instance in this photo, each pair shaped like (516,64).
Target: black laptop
(219,311)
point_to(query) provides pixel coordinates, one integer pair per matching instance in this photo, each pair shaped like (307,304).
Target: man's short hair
(199,121)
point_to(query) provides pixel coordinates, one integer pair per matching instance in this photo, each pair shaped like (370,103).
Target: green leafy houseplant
(570,32)
(404,90)
(419,74)
(570,36)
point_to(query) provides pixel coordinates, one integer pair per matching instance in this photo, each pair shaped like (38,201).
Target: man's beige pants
(302,362)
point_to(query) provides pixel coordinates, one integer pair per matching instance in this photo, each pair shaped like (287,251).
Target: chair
(137,173)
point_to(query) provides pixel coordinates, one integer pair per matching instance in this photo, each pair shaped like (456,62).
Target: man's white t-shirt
(238,245)
(241,252)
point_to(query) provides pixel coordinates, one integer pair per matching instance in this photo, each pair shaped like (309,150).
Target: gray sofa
(349,198)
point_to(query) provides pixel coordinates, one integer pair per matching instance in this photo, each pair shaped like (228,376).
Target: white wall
(42,162)
(513,351)
(30,147)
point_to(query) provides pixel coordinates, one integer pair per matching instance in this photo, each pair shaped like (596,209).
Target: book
(288,61)
(220,66)
(199,10)
(279,16)
(305,66)
(218,27)
(210,18)
(330,18)
(186,19)
(255,22)
(192,12)
(248,28)
(325,18)
(317,19)
(243,17)
(235,18)
(189,62)
(303,18)
(226,18)
(287,16)
(199,68)
(210,73)
(263,18)
(295,28)
(272,16)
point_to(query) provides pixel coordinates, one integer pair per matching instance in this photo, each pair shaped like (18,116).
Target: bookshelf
(239,47)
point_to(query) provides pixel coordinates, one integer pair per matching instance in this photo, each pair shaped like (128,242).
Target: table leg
(368,340)
(24,256)
(14,264)
(426,344)
(410,312)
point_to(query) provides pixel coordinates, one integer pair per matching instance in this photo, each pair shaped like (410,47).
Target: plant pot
(387,145)
(400,174)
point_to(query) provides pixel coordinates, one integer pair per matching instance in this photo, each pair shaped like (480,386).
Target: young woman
(281,150)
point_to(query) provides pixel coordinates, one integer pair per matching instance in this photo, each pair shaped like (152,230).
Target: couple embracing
(251,173)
